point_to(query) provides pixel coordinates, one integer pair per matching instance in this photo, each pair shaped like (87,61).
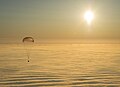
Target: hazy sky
(59,19)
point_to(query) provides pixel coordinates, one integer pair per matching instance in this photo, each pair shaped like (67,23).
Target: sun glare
(89,16)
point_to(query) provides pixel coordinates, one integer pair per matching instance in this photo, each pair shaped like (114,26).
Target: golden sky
(59,19)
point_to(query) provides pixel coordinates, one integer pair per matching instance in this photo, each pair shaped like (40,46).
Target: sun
(89,16)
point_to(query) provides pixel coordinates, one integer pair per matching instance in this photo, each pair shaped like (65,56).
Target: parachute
(28,39)
(28,42)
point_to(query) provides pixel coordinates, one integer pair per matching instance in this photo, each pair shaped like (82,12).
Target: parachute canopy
(28,39)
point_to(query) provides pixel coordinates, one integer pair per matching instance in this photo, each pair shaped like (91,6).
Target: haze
(59,19)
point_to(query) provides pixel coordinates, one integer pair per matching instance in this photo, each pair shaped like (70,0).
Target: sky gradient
(59,19)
